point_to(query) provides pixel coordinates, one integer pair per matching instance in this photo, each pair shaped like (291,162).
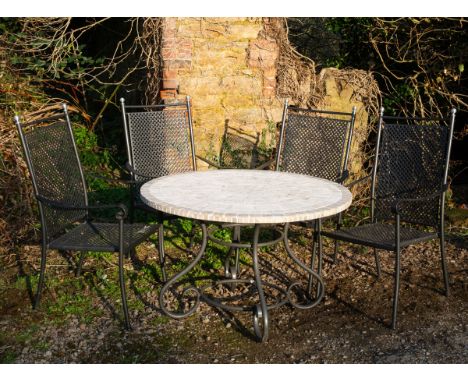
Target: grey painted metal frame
(333,149)
(260,311)
(427,145)
(312,120)
(159,141)
(64,194)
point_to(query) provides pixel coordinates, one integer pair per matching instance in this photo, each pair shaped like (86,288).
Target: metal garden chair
(408,185)
(61,192)
(316,143)
(159,141)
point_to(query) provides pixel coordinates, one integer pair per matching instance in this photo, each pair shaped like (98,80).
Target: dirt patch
(80,321)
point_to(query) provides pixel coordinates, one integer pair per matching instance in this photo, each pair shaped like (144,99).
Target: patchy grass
(80,318)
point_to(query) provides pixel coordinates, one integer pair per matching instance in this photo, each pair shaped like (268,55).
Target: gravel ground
(348,326)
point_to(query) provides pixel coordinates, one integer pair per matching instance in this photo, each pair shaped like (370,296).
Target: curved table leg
(260,312)
(310,271)
(232,271)
(189,289)
(312,260)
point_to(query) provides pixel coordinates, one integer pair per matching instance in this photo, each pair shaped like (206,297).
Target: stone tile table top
(246,196)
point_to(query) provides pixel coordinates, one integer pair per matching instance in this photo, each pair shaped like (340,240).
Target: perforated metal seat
(102,237)
(381,235)
(60,189)
(409,180)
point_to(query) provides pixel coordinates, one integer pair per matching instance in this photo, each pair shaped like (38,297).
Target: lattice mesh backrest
(160,142)
(411,164)
(56,171)
(314,145)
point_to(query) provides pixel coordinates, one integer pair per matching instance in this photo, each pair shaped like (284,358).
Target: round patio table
(248,197)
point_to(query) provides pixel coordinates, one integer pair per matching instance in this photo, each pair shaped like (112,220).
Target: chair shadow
(356,310)
(237,325)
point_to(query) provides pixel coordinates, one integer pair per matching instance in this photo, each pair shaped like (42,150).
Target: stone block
(270,72)
(246,116)
(178,64)
(269,82)
(269,92)
(170,80)
(262,53)
(204,102)
(245,30)
(233,99)
(200,85)
(168,94)
(242,84)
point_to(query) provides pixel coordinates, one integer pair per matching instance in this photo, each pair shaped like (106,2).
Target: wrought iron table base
(260,310)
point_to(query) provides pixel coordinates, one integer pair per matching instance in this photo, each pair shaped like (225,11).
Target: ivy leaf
(461,68)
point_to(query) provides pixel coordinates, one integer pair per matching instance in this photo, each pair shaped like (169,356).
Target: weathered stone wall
(229,67)
(228,71)
(342,95)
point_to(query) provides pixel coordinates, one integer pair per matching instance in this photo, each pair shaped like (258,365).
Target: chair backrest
(55,169)
(315,142)
(159,139)
(412,158)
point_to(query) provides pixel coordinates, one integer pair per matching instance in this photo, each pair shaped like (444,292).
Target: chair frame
(398,204)
(341,177)
(130,166)
(43,201)
(157,107)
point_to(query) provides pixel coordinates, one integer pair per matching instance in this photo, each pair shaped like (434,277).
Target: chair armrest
(132,171)
(110,180)
(63,206)
(209,162)
(357,181)
(343,177)
(398,203)
(264,165)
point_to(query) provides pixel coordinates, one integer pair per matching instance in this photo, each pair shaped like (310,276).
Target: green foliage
(402,94)
(8,357)
(352,33)
(332,41)
(267,142)
(90,155)
(418,62)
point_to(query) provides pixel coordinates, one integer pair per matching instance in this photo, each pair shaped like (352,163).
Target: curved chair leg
(335,251)
(444,265)
(121,275)
(41,276)
(338,226)
(162,256)
(122,289)
(397,288)
(80,264)
(377,263)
